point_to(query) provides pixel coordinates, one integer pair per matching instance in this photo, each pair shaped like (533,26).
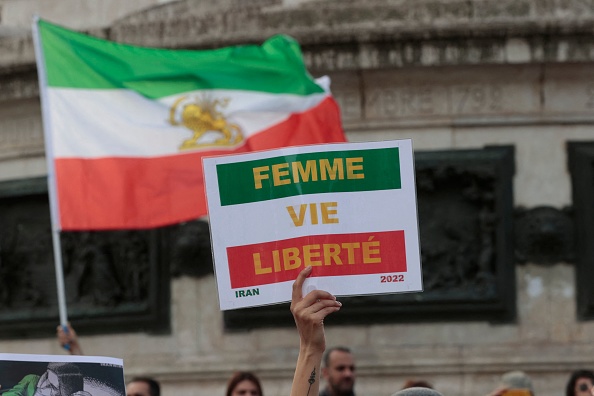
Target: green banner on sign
(309,173)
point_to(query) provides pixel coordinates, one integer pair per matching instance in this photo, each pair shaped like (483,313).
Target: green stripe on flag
(75,60)
(311,173)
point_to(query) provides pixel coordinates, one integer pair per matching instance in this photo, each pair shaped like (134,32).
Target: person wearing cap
(514,383)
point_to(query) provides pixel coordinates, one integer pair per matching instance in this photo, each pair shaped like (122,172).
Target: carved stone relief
(459,242)
(115,281)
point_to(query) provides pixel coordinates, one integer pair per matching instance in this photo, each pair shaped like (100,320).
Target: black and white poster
(56,375)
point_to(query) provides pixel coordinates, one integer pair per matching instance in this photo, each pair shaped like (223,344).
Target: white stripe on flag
(107,123)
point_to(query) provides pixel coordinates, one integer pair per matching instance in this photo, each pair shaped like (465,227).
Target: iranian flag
(126,127)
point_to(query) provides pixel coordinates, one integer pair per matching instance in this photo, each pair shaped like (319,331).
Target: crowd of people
(335,365)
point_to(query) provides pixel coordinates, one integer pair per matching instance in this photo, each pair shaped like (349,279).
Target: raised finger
(298,284)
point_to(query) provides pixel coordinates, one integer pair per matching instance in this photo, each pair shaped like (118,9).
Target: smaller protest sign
(348,210)
(29,375)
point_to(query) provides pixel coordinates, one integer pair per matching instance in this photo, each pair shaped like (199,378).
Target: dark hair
(329,351)
(154,387)
(243,376)
(570,387)
(411,383)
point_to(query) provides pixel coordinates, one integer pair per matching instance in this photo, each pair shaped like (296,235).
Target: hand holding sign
(309,313)
(68,339)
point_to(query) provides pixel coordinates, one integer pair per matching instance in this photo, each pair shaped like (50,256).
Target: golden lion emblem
(208,125)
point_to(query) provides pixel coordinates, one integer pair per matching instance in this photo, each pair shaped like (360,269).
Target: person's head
(244,383)
(417,391)
(143,386)
(413,383)
(339,370)
(517,380)
(580,383)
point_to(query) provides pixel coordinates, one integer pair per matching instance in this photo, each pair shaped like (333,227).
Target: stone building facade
(460,78)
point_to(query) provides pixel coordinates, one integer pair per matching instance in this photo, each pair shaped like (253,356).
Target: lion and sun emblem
(204,118)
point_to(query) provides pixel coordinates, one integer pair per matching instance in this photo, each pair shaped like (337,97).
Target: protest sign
(348,209)
(28,375)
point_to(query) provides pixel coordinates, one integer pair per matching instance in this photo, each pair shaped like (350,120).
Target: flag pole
(51,176)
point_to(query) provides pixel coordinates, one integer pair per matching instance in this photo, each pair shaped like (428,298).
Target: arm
(69,340)
(309,313)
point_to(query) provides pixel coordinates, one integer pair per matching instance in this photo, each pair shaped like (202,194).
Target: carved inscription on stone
(502,91)
(441,93)
(436,100)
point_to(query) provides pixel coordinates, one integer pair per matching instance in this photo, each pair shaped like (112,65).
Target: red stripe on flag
(320,124)
(146,192)
(128,193)
(332,255)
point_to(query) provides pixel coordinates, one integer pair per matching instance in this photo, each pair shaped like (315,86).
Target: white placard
(347,209)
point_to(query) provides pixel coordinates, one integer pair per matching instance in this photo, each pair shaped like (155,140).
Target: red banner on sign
(331,255)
